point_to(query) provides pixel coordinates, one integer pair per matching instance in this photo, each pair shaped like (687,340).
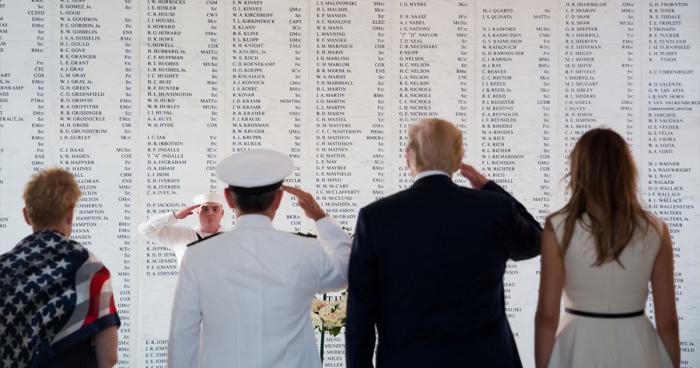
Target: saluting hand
(307,202)
(183,213)
(476,179)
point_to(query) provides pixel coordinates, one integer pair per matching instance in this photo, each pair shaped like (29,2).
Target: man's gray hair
(435,144)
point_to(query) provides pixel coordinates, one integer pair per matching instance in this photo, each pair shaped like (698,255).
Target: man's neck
(206,231)
(423,174)
(268,213)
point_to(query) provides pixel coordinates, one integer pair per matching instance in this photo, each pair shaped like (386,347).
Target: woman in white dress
(602,249)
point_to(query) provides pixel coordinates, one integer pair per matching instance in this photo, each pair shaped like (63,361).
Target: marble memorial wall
(141,98)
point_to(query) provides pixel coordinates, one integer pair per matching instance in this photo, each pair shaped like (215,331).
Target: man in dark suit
(427,264)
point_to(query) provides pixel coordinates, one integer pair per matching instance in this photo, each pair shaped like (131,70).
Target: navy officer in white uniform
(243,297)
(163,228)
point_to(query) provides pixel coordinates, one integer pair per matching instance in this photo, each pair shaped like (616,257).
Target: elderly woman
(56,302)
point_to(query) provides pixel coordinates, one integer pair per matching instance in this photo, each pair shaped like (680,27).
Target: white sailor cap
(209,197)
(255,171)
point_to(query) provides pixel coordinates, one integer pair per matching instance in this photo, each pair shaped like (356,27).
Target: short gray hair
(435,144)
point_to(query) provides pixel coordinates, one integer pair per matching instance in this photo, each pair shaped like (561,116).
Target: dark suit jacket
(427,268)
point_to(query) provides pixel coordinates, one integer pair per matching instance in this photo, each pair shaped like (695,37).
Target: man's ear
(229,198)
(25,213)
(278,199)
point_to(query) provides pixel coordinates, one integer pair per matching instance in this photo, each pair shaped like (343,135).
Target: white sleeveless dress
(590,342)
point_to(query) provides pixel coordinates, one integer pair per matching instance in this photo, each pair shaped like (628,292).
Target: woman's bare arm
(662,287)
(548,305)
(106,347)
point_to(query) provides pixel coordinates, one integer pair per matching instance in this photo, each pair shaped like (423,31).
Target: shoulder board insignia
(203,239)
(306,235)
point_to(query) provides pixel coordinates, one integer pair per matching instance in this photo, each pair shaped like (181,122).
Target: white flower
(326,312)
(334,320)
(329,315)
(316,321)
(317,304)
(342,307)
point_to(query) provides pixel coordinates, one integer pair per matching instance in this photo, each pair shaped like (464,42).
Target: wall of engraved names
(141,98)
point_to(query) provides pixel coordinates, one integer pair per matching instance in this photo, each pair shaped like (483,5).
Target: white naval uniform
(247,295)
(162,229)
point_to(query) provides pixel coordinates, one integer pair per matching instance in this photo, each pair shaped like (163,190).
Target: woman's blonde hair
(603,184)
(49,195)
(435,144)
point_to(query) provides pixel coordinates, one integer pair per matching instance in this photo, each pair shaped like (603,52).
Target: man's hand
(183,213)
(307,202)
(476,179)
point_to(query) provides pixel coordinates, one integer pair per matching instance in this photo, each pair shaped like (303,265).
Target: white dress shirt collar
(426,173)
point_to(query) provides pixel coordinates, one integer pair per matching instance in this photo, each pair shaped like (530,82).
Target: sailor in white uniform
(163,228)
(243,297)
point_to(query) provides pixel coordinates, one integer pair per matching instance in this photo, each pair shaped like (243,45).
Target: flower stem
(323,336)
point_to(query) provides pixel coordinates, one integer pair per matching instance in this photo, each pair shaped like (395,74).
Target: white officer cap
(209,197)
(255,171)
